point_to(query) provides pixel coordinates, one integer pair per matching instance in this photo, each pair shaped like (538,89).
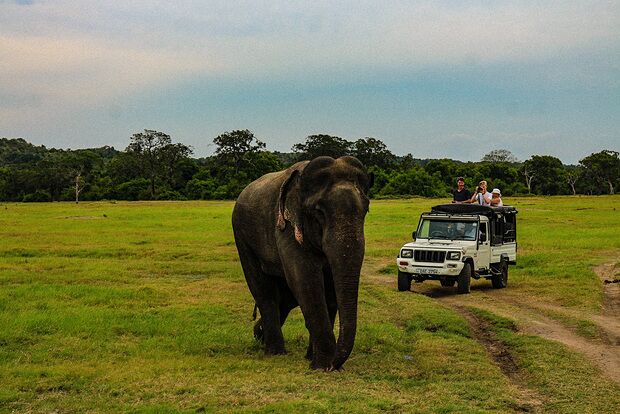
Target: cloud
(61,58)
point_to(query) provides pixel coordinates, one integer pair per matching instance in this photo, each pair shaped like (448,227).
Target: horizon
(193,155)
(451,80)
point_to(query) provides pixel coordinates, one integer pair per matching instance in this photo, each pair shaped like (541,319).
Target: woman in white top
(482,196)
(496,198)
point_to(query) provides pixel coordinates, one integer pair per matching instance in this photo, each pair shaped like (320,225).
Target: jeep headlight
(406,253)
(454,255)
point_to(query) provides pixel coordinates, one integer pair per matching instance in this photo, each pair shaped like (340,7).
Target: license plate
(428,271)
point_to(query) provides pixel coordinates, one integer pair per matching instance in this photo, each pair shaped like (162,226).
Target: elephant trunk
(345,254)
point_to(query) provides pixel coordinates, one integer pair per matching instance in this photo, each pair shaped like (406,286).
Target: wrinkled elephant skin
(300,237)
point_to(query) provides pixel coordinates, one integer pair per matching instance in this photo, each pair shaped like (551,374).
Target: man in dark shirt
(461,194)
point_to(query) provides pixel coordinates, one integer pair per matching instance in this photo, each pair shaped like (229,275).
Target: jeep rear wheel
(404,281)
(500,280)
(464,280)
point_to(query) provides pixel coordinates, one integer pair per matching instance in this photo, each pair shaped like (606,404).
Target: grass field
(142,307)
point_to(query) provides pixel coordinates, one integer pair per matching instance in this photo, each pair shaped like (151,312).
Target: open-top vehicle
(457,242)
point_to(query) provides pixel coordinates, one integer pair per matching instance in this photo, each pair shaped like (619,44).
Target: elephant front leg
(332,306)
(310,295)
(322,348)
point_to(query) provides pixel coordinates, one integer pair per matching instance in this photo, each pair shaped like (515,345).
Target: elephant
(300,237)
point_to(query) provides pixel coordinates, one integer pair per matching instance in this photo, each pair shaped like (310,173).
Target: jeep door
(482,259)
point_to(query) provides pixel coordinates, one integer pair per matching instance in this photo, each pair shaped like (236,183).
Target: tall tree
(499,155)
(317,145)
(604,167)
(372,151)
(154,150)
(234,147)
(529,173)
(572,174)
(549,173)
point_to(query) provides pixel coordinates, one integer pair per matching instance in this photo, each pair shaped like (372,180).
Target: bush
(138,189)
(171,195)
(37,196)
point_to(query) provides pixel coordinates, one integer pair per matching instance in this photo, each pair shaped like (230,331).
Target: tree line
(153,167)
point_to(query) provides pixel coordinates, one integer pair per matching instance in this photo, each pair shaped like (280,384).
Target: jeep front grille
(433,256)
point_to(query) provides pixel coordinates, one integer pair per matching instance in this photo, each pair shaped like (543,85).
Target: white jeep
(456,242)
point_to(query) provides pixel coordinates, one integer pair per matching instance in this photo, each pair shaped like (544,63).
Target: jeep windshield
(448,229)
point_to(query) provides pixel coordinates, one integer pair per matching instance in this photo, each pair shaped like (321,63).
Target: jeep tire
(500,280)
(463,283)
(404,281)
(447,282)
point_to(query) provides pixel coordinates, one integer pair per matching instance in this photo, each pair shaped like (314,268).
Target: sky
(437,79)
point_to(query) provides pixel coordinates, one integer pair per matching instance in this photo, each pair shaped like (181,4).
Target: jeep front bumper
(448,268)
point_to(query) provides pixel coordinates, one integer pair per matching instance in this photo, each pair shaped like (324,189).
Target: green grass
(142,307)
(558,375)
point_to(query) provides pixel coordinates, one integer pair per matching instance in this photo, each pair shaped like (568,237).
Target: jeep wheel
(447,282)
(464,280)
(501,280)
(404,281)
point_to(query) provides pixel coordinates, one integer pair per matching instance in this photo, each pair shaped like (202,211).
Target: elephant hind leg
(258,331)
(265,291)
(287,303)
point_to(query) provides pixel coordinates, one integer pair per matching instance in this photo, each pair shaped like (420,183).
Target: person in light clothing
(481,196)
(496,198)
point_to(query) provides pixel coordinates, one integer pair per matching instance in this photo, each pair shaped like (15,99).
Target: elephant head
(325,203)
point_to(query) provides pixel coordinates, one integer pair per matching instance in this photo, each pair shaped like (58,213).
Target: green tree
(233,148)
(372,151)
(414,181)
(155,154)
(445,168)
(603,167)
(318,145)
(239,159)
(499,155)
(407,162)
(546,174)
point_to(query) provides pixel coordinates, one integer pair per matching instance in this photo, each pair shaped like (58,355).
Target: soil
(535,317)
(529,400)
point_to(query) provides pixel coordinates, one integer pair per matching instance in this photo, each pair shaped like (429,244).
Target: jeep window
(497,229)
(448,230)
(510,229)
(483,229)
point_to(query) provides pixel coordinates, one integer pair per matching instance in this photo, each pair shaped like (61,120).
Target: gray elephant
(300,237)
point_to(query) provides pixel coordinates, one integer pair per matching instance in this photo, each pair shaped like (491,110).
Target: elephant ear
(289,205)
(371,182)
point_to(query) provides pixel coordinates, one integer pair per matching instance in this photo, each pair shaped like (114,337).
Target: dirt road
(547,320)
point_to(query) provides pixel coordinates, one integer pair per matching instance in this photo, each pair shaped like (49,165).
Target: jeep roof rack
(472,209)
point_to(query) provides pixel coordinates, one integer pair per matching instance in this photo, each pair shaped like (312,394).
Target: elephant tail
(254,313)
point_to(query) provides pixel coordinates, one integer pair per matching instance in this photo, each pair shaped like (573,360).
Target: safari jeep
(456,242)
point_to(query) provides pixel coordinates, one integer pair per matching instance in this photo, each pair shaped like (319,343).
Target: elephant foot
(275,350)
(324,363)
(258,332)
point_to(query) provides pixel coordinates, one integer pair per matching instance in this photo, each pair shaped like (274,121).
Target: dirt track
(532,317)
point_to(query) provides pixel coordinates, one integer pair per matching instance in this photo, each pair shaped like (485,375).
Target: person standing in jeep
(461,194)
(482,195)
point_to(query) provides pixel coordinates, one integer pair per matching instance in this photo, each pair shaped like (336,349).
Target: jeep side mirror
(483,237)
(413,235)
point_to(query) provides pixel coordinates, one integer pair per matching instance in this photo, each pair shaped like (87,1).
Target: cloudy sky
(433,78)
